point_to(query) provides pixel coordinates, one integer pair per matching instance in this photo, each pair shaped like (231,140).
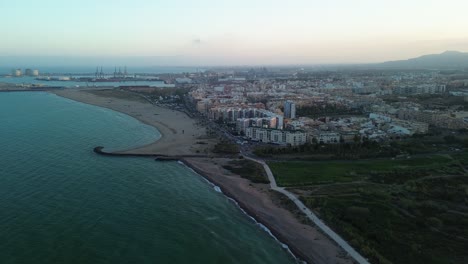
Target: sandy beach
(179,133)
(305,241)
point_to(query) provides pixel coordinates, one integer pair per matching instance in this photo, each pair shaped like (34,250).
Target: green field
(421,221)
(382,170)
(392,211)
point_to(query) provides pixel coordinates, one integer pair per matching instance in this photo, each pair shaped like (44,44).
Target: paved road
(319,223)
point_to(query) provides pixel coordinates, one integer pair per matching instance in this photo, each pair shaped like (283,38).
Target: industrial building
(17,73)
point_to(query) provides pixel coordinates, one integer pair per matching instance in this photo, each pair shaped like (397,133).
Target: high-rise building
(289,109)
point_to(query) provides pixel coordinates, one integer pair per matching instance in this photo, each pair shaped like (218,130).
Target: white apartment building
(328,138)
(283,137)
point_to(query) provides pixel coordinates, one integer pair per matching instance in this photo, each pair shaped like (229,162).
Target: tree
(356,139)
(450,139)
(314,140)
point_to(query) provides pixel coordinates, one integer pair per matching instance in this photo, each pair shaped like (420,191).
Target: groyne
(161,157)
(247,209)
(233,194)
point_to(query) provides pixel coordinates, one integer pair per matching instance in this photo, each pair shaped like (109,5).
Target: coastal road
(319,223)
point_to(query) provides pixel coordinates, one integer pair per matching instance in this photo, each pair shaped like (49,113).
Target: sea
(62,203)
(28,81)
(89,72)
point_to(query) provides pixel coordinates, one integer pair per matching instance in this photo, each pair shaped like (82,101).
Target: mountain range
(445,60)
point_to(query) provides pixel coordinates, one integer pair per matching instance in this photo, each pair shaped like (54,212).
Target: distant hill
(445,60)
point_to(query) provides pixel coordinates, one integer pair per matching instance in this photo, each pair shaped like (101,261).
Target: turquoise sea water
(61,203)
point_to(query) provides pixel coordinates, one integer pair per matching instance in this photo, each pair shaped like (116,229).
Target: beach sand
(179,132)
(305,241)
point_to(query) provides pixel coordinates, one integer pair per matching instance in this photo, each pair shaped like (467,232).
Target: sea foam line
(262,226)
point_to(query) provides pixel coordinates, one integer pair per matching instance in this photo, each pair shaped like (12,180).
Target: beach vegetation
(410,210)
(248,169)
(226,148)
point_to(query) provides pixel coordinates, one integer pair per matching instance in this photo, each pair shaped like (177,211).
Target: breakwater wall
(161,157)
(100,150)
(208,176)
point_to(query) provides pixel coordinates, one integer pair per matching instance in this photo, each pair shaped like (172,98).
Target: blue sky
(210,32)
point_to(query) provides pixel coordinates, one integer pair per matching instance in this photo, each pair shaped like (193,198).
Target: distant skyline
(210,32)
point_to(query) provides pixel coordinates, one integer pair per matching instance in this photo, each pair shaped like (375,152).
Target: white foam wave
(263,227)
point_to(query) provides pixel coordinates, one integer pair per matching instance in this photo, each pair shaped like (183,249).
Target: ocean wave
(263,227)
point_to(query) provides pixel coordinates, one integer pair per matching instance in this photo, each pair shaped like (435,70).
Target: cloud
(196,41)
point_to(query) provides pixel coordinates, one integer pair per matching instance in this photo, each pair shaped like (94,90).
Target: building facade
(289,109)
(276,136)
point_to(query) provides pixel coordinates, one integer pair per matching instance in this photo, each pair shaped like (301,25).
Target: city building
(419,89)
(328,138)
(289,109)
(276,136)
(432,117)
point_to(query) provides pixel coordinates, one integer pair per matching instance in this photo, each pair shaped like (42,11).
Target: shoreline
(326,249)
(218,189)
(67,96)
(304,241)
(276,235)
(180,134)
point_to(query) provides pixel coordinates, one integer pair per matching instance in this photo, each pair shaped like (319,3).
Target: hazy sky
(207,32)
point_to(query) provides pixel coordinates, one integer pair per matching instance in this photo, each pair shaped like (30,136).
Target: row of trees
(326,110)
(364,149)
